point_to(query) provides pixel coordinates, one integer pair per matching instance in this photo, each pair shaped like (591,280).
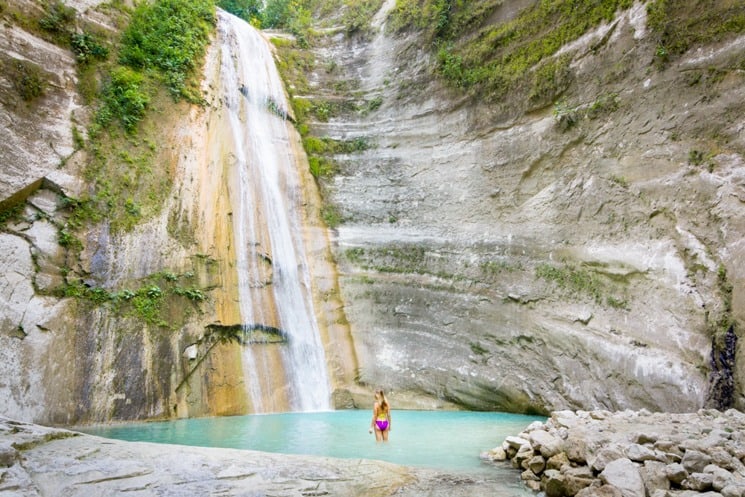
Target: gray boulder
(625,476)
(654,476)
(676,473)
(695,461)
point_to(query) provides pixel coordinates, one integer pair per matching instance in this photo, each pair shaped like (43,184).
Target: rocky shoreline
(584,454)
(631,454)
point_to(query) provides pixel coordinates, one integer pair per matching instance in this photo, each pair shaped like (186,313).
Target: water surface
(443,440)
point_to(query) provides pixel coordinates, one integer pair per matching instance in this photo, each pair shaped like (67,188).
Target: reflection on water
(443,440)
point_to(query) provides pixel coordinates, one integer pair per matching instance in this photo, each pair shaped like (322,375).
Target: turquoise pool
(443,440)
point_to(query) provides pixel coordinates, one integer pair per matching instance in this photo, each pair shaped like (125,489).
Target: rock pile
(631,454)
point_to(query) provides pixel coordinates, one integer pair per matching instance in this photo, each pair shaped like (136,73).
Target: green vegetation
(10,214)
(603,105)
(249,10)
(58,19)
(566,115)
(157,57)
(88,47)
(150,301)
(680,25)
(402,259)
(620,181)
(357,15)
(579,282)
(575,281)
(125,98)
(725,320)
(478,349)
(499,58)
(167,38)
(28,80)
(494,59)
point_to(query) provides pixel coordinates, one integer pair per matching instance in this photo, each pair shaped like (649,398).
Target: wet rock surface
(631,454)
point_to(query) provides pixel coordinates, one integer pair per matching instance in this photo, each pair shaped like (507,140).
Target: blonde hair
(383,400)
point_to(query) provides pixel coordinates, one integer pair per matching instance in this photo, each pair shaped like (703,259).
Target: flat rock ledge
(37,461)
(631,454)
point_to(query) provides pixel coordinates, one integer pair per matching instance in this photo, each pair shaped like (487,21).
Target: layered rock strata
(631,454)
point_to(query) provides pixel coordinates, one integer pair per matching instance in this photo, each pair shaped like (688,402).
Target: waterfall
(273,275)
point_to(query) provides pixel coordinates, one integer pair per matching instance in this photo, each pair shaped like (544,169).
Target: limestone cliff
(101,322)
(580,251)
(517,255)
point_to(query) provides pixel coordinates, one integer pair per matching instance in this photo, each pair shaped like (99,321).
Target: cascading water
(273,276)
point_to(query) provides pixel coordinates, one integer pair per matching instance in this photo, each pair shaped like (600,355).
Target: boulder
(553,484)
(574,485)
(721,477)
(516,442)
(605,456)
(640,453)
(625,476)
(654,476)
(576,449)
(734,490)
(699,482)
(537,464)
(676,473)
(600,491)
(695,461)
(558,461)
(545,443)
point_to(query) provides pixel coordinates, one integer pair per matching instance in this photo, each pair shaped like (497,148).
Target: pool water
(443,440)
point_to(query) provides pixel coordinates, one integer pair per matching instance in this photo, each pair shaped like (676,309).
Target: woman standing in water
(381,420)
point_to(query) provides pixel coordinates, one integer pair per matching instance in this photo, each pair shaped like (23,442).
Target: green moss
(680,25)
(11,213)
(574,280)
(494,59)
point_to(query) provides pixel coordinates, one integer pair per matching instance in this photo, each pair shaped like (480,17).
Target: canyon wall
(165,339)
(488,255)
(529,257)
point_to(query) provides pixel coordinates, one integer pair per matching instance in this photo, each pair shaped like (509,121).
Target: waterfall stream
(273,275)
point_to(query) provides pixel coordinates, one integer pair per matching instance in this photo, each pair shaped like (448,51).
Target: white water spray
(269,246)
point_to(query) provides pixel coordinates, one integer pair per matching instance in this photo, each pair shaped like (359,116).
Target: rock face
(632,454)
(66,359)
(488,258)
(500,260)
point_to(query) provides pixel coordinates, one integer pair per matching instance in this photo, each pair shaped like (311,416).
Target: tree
(245,9)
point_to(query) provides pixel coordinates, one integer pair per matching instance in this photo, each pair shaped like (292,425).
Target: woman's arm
(376,408)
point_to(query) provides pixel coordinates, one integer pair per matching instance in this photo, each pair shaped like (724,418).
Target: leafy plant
(247,10)
(11,213)
(87,47)
(28,80)
(170,37)
(565,115)
(125,98)
(58,18)
(358,14)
